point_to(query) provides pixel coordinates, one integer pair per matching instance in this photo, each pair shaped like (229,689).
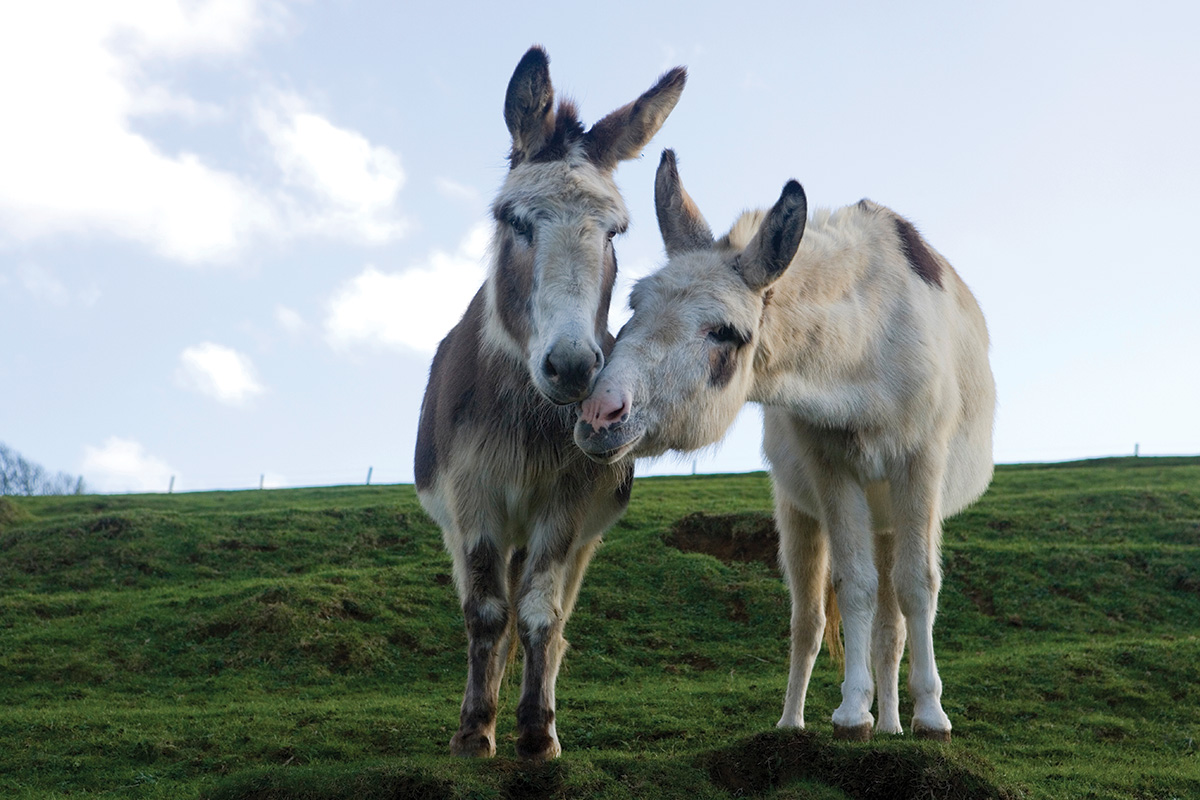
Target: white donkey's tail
(833,626)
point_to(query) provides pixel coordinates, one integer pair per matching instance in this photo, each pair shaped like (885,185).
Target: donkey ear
(774,246)
(682,225)
(622,134)
(529,105)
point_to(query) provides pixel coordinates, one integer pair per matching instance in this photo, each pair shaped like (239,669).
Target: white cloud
(70,160)
(351,184)
(181,28)
(123,465)
(411,310)
(159,101)
(219,372)
(78,76)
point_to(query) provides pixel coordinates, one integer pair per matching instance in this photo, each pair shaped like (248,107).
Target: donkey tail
(833,626)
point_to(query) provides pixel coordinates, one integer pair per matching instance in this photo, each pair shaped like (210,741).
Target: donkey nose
(606,408)
(570,367)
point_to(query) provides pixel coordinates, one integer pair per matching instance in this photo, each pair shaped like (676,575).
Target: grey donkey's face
(683,365)
(557,214)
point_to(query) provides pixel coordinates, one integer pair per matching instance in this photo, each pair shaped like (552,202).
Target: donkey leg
(917,576)
(485,607)
(804,553)
(574,577)
(848,521)
(541,617)
(887,638)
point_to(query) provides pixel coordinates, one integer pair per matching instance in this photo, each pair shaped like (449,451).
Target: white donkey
(870,356)
(521,509)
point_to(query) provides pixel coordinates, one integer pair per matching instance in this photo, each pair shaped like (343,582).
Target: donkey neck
(823,320)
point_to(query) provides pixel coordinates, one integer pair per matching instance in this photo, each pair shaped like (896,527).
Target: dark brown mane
(568,129)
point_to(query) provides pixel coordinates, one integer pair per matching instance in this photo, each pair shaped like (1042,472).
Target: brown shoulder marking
(919,256)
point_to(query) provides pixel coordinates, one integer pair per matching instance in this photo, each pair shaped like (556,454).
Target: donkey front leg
(804,555)
(481,573)
(545,599)
(917,576)
(848,521)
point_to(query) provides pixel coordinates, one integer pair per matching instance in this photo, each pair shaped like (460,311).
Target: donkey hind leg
(848,522)
(804,554)
(545,599)
(489,629)
(887,638)
(917,576)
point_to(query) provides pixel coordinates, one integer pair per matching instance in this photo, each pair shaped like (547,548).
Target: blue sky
(232,232)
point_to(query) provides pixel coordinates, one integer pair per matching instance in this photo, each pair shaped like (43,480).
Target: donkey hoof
(472,744)
(922,732)
(853,733)
(538,746)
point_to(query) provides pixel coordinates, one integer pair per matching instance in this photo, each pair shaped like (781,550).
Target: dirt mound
(881,770)
(749,536)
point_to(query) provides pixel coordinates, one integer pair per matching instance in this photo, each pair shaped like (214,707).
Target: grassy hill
(308,644)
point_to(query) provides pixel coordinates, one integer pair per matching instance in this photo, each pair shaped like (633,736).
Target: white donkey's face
(683,365)
(557,214)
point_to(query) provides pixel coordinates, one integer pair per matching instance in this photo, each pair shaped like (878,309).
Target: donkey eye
(521,228)
(611,233)
(726,334)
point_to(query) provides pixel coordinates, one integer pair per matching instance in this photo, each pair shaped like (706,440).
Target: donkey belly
(793,448)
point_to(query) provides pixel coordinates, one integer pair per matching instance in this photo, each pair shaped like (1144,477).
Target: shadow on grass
(752,767)
(441,779)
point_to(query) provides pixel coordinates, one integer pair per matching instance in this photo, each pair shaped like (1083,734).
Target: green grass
(308,644)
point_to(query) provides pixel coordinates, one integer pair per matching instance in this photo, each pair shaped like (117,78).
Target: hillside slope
(307,644)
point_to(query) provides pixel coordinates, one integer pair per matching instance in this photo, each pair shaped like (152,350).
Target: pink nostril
(605,408)
(616,412)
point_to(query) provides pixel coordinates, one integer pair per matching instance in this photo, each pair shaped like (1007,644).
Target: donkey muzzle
(609,444)
(569,371)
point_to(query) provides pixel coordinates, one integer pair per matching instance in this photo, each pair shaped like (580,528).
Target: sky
(232,232)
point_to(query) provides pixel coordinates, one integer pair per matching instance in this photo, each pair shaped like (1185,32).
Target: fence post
(369,471)
(171,486)
(261,480)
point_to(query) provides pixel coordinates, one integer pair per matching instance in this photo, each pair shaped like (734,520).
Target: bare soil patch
(747,536)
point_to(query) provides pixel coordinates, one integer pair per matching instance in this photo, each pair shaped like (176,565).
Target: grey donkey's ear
(681,223)
(622,134)
(774,246)
(529,105)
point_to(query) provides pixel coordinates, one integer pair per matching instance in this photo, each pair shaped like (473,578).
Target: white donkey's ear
(529,105)
(681,223)
(774,246)
(622,134)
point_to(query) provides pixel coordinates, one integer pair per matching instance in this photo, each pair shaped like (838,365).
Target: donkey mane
(568,129)
(921,258)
